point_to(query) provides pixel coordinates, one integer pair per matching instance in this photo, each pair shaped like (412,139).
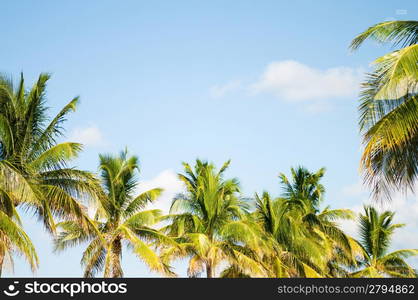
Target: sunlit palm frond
(141,201)
(55,157)
(144,252)
(399,33)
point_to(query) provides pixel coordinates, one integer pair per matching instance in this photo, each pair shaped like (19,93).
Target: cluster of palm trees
(219,232)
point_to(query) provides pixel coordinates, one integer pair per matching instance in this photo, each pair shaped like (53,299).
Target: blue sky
(269,84)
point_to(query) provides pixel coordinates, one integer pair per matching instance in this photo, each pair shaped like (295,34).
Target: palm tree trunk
(108,264)
(113,268)
(209,270)
(116,265)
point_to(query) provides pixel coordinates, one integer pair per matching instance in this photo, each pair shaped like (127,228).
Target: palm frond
(402,33)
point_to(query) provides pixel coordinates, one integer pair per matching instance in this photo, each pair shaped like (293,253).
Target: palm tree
(307,242)
(376,231)
(33,167)
(210,223)
(120,218)
(288,244)
(389,110)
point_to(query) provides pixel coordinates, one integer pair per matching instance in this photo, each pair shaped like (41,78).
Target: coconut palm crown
(376,231)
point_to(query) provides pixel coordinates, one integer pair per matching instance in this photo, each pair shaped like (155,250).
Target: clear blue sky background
(146,70)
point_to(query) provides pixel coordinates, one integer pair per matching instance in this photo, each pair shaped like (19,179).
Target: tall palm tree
(120,218)
(30,153)
(309,241)
(389,110)
(210,223)
(33,166)
(376,231)
(290,249)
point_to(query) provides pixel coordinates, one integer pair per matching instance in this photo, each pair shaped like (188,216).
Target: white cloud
(166,180)
(293,81)
(356,189)
(219,91)
(318,107)
(88,136)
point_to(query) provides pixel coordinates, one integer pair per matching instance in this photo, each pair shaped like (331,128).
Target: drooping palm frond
(389,110)
(399,33)
(390,154)
(93,259)
(13,239)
